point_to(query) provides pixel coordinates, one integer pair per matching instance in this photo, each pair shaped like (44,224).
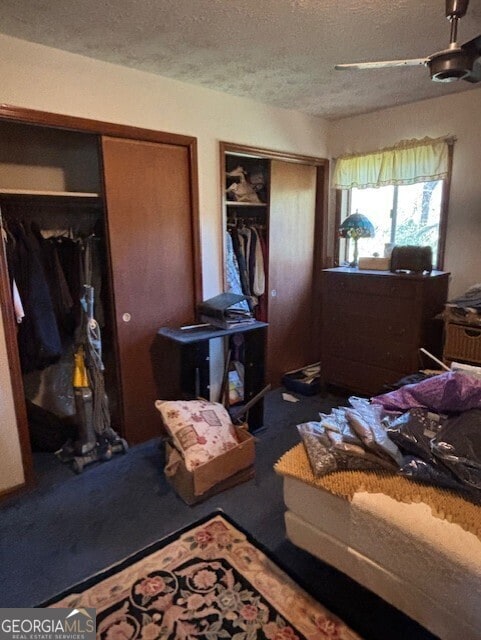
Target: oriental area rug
(207,582)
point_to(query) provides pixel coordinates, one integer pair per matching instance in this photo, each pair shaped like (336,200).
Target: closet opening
(54,236)
(133,193)
(275,246)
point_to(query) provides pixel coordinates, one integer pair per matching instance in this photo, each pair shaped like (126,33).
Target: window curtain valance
(407,162)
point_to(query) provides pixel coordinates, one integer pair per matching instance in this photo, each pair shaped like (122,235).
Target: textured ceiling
(281,52)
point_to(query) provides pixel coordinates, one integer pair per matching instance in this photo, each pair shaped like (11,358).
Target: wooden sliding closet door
(291,268)
(149,215)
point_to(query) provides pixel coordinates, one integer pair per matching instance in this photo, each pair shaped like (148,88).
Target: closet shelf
(53,197)
(231,203)
(53,194)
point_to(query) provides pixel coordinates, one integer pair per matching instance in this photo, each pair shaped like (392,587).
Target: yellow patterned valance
(408,162)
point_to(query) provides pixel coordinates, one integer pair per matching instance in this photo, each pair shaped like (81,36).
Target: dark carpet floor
(72,526)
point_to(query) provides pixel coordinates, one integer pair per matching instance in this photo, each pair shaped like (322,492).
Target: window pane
(376,205)
(419,207)
(415,222)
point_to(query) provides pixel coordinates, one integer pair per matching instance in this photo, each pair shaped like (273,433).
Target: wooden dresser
(373,324)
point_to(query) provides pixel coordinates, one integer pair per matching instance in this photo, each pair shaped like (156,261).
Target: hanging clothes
(70,254)
(249,249)
(51,388)
(261,310)
(62,300)
(47,271)
(94,275)
(9,244)
(239,250)
(38,335)
(259,278)
(17,303)
(252,258)
(233,274)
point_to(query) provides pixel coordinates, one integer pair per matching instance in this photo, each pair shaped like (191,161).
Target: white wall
(454,114)
(11,468)
(46,79)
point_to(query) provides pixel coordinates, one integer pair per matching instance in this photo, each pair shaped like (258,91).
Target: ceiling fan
(457,62)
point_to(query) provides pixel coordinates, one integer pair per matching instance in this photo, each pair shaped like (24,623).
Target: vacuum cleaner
(97,440)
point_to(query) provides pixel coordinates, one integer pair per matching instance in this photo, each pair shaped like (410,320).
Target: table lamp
(354,227)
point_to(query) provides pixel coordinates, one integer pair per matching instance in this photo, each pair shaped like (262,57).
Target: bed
(425,565)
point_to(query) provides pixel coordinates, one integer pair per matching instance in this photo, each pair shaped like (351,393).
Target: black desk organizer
(181,364)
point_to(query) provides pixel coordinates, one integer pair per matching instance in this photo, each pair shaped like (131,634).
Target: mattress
(425,566)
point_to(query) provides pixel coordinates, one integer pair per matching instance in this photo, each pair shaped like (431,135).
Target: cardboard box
(305,381)
(221,473)
(375,264)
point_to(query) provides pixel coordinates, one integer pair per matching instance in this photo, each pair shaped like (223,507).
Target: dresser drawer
(379,286)
(379,309)
(369,327)
(358,376)
(381,352)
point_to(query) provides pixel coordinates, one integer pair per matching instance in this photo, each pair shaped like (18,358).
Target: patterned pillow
(200,430)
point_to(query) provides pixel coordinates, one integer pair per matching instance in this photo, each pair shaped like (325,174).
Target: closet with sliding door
(86,202)
(275,213)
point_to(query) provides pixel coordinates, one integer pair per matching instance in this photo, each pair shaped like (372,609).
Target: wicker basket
(462,342)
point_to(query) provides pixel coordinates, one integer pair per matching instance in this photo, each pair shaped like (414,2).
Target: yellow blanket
(443,502)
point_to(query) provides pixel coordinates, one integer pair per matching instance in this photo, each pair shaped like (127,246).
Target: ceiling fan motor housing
(450,65)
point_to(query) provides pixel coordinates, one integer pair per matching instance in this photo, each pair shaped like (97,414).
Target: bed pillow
(200,430)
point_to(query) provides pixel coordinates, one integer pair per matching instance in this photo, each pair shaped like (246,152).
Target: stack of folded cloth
(465,308)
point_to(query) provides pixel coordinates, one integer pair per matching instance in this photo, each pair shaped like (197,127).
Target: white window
(402,190)
(401,215)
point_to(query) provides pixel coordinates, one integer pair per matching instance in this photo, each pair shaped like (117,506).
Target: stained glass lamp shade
(354,227)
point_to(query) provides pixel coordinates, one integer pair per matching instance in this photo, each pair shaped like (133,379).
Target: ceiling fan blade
(383,65)
(474,75)
(473,46)
(473,49)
